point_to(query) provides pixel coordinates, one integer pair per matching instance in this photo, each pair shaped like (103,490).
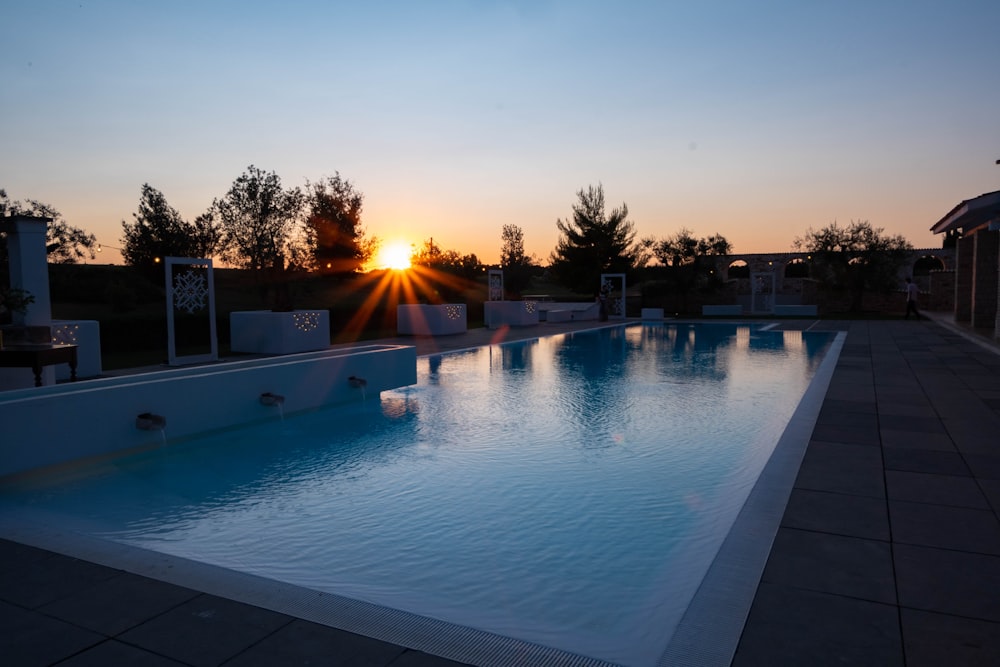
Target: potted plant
(13,300)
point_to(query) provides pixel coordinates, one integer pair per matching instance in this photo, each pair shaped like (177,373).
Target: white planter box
(510,313)
(86,335)
(267,332)
(415,319)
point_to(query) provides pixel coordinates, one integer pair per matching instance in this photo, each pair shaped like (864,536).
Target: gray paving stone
(832,406)
(910,423)
(933,488)
(948,582)
(842,469)
(959,528)
(985,464)
(300,641)
(119,603)
(418,659)
(30,638)
(925,460)
(789,626)
(941,442)
(991,488)
(836,513)
(205,631)
(32,583)
(834,564)
(931,640)
(112,652)
(846,434)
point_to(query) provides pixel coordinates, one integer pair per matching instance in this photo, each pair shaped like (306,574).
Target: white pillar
(29,266)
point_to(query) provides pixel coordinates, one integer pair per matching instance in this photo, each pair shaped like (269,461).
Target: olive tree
(258,220)
(856,257)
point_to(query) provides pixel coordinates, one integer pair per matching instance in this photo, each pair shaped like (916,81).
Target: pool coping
(710,629)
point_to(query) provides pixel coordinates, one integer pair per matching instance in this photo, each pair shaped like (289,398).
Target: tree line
(262,226)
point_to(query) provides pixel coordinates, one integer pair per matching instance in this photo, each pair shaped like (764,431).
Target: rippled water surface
(569,491)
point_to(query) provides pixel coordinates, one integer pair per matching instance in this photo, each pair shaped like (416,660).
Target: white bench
(791,310)
(734,309)
(559,315)
(652,314)
(510,313)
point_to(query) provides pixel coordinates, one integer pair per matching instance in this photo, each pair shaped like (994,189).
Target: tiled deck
(888,553)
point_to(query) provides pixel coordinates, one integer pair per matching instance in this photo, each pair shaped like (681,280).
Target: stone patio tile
(940,442)
(931,640)
(850,391)
(922,487)
(30,638)
(848,418)
(826,563)
(838,407)
(822,630)
(418,659)
(909,423)
(991,488)
(945,527)
(846,434)
(948,582)
(112,652)
(901,409)
(32,583)
(925,460)
(119,603)
(205,631)
(986,464)
(837,513)
(300,641)
(842,469)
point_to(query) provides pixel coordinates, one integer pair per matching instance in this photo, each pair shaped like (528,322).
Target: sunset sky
(753,119)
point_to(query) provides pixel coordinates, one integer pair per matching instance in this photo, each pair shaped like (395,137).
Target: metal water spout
(147,421)
(357,382)
(267,398)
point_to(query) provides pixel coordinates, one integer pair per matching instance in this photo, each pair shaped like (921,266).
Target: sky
(757,120)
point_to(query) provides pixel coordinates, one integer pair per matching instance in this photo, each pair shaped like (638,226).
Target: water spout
(267,398)
(357,383)
(147,421)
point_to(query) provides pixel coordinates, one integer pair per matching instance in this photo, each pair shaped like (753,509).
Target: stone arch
(924,264)
(738,269)
(797,267)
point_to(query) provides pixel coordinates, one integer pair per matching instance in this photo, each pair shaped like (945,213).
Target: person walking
(911,299)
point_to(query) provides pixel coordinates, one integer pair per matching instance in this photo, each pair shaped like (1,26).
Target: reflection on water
(569,491)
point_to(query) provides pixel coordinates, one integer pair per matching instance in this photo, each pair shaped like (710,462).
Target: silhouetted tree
(517,266)
(593,242)
(334,228)
(258,220)
(157,230)
(684,258)
(856,258)
(64,243)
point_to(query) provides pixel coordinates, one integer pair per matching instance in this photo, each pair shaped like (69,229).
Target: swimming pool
(570,492)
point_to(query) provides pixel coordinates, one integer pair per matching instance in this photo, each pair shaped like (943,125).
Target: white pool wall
(53,425)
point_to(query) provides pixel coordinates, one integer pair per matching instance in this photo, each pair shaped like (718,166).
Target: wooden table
(37,356)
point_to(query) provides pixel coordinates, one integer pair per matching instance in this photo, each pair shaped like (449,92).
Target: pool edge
(710,629)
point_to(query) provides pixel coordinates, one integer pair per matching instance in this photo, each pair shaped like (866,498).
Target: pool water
(568,491)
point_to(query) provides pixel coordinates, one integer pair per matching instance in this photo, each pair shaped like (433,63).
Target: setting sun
(395,255)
